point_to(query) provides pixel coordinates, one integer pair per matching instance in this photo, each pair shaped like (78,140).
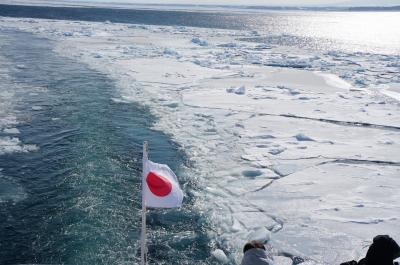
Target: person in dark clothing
(255,254)
(383,251)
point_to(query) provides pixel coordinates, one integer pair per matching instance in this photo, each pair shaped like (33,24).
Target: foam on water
(13,144)
(10,190)
(9,141)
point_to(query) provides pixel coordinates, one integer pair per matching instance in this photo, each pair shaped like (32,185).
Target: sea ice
(276,151)
(309,204)
(219,255)
(21,66)
(280,260)
(261,234)
(168,51)
(11,131)
(13,144)
(290,63)
(237,90)
(200,41)
(36,108)
(303,137)
(228,45)
(252,173)
(285,169)
(68,34)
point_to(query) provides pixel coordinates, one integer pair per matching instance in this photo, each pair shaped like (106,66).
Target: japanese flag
(160,186)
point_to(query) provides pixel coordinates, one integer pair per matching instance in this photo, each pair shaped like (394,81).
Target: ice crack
(360,161)
(345,123)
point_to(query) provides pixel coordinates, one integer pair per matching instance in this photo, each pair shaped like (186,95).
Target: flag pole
(143,250)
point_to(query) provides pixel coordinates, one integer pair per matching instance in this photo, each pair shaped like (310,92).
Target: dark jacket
(382,251)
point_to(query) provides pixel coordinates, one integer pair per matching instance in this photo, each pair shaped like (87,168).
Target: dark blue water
(151,17)
(322,31)
(82,185)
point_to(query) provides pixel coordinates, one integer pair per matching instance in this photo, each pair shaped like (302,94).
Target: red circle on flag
(158,185)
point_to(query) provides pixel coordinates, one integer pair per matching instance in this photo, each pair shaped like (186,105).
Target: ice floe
(9,121)
(237,90)
(303,137)
(220,256)
(199,41)
(11,131)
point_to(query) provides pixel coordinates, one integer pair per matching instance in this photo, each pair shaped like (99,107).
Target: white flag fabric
(160,186)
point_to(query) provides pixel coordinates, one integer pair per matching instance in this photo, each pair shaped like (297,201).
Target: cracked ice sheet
(331,203)
(329,141)
(258,170)
(299,93)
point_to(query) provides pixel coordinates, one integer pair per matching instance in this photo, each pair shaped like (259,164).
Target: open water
(78,198)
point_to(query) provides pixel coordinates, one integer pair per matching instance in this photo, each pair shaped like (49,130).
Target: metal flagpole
(143,249)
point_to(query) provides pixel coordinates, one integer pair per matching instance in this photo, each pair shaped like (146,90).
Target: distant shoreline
(207,8)
(337,9)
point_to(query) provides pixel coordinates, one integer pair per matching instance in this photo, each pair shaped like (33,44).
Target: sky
(229,2)
(264,2)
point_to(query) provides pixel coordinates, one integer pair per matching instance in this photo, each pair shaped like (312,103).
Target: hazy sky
(262,2)
(230,2)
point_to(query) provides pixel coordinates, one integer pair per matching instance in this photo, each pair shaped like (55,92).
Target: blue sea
(370,32)
(76,199)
